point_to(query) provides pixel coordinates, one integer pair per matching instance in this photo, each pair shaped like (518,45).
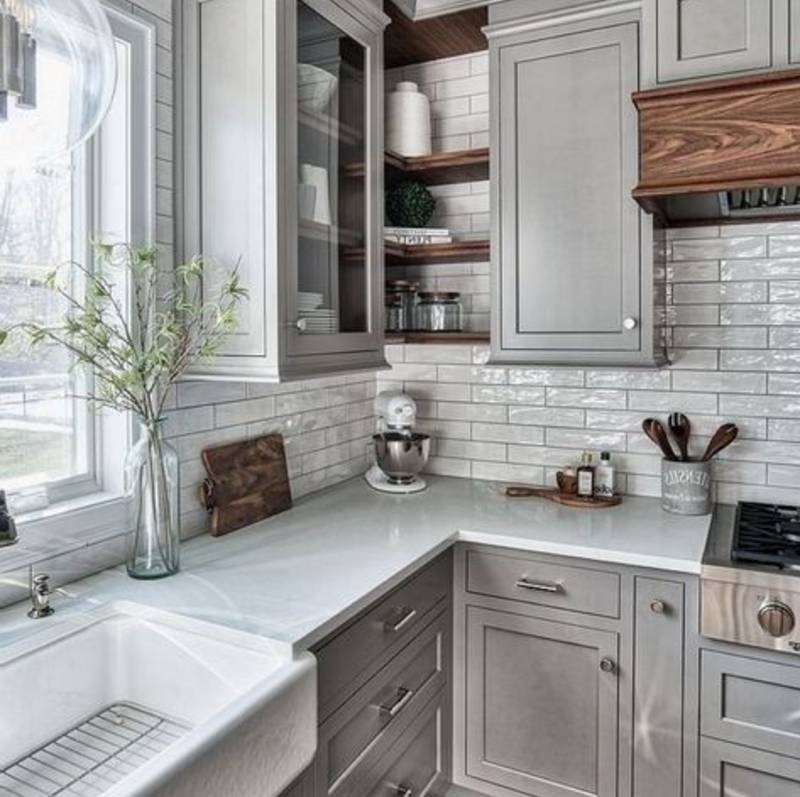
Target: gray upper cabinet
(704,38)
(282,174)
(541,715)
(573,253)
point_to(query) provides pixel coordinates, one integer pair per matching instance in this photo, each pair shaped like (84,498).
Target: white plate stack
(318,320)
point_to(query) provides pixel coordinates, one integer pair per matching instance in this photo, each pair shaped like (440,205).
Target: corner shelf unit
(441,168)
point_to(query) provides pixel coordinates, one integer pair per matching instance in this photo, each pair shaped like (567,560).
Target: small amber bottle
(586,476)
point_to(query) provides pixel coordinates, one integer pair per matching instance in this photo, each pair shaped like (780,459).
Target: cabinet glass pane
(332,181)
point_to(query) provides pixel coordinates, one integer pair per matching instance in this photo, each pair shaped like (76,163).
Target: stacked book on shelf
(417,235)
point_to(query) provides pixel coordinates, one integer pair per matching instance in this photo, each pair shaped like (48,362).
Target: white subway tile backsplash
(786,291)
(784,338)
(640,379)
(499,394)
(717,248)
(238,412)
(773,360)
(784,384)
(507,472)
(784,245)
(467,449)
(759,269)
(573,397)
(693,271)
(547,377)
(719,382)
(574,438)
(508,433)
(546,416)
(779,429)
(760,314)
(765,406)
(719,292)
(720,337)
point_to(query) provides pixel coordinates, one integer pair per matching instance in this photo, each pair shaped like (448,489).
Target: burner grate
(93,756)
(767,533)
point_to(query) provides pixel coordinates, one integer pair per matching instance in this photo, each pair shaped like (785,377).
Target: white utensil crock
(408,121)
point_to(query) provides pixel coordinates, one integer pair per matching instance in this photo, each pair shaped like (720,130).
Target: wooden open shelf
(419,254)
(463,166)
(437,337)
(442,168)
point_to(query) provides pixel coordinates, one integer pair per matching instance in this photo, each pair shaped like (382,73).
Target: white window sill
(66,527)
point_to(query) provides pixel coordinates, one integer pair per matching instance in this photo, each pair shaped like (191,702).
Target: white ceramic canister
(408,121)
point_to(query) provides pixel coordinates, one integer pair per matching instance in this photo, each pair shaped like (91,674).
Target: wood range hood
(722,150)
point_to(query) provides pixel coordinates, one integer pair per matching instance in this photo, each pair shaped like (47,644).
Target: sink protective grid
(89,759)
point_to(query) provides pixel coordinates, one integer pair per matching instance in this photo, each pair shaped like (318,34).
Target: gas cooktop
(767,534)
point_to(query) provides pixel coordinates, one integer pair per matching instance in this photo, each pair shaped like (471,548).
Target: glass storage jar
(393,312)
(439,312)
(406,293)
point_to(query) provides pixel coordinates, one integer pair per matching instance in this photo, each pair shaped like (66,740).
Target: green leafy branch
(135,356)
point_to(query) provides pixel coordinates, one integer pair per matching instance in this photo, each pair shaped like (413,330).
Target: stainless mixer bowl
(401,456)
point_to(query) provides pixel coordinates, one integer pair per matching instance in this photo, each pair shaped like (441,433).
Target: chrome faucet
(40,597)
(8,528)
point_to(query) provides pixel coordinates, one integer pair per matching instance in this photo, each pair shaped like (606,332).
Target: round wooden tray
(565,499)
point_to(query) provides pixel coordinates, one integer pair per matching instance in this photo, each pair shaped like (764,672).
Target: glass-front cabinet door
(334,283)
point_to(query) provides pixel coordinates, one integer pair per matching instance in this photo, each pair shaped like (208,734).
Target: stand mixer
(400,453)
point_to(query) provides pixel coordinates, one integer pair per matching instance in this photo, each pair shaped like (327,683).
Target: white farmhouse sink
(131,700)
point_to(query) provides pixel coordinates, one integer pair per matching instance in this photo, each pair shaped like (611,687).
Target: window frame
(93,505)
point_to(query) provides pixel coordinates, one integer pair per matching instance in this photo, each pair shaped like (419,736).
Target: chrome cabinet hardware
(540,586)
(404,791)
(394,623)
(795,646)
(607,665)
(301,324)
(401,701)
(630,323)
(658,607)
(40,597)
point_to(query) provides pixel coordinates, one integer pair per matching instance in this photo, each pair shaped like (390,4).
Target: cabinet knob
(630,323)
(301,324)
(658,607)
(403,791)
(607,665)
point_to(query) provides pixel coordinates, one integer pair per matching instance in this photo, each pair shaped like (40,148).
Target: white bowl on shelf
(315,87)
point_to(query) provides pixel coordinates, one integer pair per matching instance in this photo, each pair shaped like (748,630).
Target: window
(52,449)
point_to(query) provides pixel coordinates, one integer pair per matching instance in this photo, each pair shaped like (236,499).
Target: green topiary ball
(410,204)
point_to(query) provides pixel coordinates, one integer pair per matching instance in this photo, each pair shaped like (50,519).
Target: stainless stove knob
(776,619)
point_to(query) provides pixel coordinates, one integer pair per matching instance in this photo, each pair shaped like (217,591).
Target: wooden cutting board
(247,482)
(555,495)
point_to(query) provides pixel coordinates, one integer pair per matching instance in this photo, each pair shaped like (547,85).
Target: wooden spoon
(722,438)
(681,429)
(654,429)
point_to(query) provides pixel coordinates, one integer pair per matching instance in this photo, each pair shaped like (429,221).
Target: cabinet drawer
(578,589)
(344,661)
(727,770)
(380,710)
(751,702)
(416,761)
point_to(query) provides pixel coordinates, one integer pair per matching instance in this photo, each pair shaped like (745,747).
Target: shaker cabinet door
(567,231)
(541,705)
(707,38)
(658,701)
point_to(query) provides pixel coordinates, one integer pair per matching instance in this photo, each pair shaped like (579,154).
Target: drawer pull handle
(401,701)
(540,586)
(395,624)
(607,665)
(404,791)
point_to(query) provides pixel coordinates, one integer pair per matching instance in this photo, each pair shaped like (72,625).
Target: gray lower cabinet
(573,279)
(659,698)
(728,770)
(541,713)
(794,32)
(705,38)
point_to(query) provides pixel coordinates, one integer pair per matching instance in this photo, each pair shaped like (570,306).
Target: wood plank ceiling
(407,42)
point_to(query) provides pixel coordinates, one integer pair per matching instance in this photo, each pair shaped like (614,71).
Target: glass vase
(151,478)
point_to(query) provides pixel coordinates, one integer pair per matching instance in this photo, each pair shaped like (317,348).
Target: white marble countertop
(297,576)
